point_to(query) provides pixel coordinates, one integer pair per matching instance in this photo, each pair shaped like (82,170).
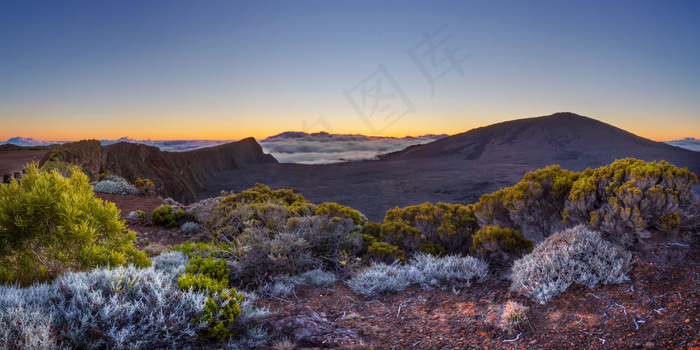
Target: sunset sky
(226,70)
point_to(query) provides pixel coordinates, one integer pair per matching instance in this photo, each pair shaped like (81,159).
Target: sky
(226,70)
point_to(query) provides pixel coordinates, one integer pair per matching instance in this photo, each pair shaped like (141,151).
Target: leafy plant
(50,224)
(536,202)
(499,245)
(164,216)
(414,229)
(145,187)
(627,198)
(385,252)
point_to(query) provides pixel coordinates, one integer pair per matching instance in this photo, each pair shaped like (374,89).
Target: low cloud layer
(690,143)
(170,146)
(288,147)
(325,148)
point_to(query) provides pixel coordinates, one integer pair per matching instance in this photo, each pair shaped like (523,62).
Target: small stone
(648,345)
(533,342)
(687,320)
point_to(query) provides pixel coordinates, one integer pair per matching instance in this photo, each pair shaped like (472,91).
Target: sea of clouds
(325,148)
(690,143)
(305,148)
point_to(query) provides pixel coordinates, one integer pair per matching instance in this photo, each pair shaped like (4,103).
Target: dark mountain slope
(568,139)
(180,175)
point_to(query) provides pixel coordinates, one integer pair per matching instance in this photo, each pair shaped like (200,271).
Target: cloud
(690,143)
(289,147)
(27,141)
(170,146)
(325,148)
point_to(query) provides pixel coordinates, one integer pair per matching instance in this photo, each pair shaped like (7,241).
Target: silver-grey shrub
(125,307)
(172,263)
(115,185)
(190,227)
(577,255)
(423,269)
(283,286)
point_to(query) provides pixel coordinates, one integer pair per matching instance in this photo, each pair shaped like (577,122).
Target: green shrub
(499,245)
(164,216)
(341,211)
(536,202)
(49,224)
(414,228)
(220,312)
(145,187)
(385,252)
(223,306)
(192,249)
(373,229)
(200,283)
(627,198)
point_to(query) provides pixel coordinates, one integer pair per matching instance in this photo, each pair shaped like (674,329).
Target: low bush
(419,228)
(500,246)
(513,317)
(165,216)
(385,253)
(115,185)
(190,228)
(577,255)
(423,269)
(136,215)
(49,224)
(629,199)
(125,307)
(283,286)
(145,187)
(536,202)
(336,210)
(192,249)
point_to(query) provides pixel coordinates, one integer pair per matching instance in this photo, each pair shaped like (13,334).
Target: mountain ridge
(180,175)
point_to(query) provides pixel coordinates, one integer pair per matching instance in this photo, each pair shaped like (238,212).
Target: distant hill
(180,175)
(459,168)
(568,139)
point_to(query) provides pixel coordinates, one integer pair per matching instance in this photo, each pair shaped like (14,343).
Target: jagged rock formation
(179,175)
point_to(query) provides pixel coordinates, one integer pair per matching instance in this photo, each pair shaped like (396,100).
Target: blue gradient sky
(227,70)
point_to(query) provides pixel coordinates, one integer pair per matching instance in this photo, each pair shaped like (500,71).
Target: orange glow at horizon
(183,127)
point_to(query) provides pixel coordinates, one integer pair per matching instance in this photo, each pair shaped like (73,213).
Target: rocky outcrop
(179,175)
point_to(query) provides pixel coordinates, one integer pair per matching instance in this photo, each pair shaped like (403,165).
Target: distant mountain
(568,139)
(180,175)
(690,143)
(324,148)
(26,141)
(459,168)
